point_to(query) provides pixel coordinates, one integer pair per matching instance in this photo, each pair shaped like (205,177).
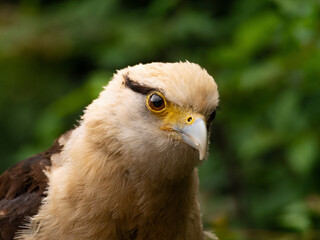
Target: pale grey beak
(196,136)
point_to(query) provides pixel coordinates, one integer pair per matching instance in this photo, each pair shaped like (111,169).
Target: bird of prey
(128,171)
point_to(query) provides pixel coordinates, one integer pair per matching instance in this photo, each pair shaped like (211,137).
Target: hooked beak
(196,136)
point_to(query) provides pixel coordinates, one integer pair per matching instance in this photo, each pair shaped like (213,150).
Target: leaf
(302,154)
(295,217)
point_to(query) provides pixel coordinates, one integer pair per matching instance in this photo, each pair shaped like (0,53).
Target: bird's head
(155,112)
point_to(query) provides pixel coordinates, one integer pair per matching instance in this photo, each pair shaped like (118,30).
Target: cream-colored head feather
(120,116)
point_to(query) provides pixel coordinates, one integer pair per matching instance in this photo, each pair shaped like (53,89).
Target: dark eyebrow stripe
(136,87)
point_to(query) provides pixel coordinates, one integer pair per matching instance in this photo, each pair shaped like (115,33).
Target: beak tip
(196,136)
(202,154)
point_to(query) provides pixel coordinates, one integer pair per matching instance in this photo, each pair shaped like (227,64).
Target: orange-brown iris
(156,102)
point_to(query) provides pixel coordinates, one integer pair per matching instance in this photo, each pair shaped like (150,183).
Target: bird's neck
(125,185)
(99,196)
(111,188)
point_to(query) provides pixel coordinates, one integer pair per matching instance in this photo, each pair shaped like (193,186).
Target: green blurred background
(262,179)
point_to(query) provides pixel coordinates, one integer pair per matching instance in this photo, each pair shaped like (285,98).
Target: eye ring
(156,102)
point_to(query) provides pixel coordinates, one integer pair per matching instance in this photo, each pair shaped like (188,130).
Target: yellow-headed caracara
(128,171)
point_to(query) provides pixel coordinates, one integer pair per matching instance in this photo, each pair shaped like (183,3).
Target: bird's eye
(211,117)
(156,102)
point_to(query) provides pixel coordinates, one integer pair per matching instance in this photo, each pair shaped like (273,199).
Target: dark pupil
(156,100)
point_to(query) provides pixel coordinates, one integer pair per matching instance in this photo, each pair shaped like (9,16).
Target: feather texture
(22,188)
(118,175)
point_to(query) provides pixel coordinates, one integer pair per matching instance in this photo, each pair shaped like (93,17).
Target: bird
(128,170)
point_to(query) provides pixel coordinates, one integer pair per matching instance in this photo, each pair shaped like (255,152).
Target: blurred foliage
(262,173)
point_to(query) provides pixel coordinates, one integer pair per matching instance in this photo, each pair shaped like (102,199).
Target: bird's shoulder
(22,188)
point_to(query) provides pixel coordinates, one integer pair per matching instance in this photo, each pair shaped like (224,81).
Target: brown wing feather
(22,188)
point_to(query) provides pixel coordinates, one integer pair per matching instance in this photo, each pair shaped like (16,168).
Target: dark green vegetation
(262,179)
